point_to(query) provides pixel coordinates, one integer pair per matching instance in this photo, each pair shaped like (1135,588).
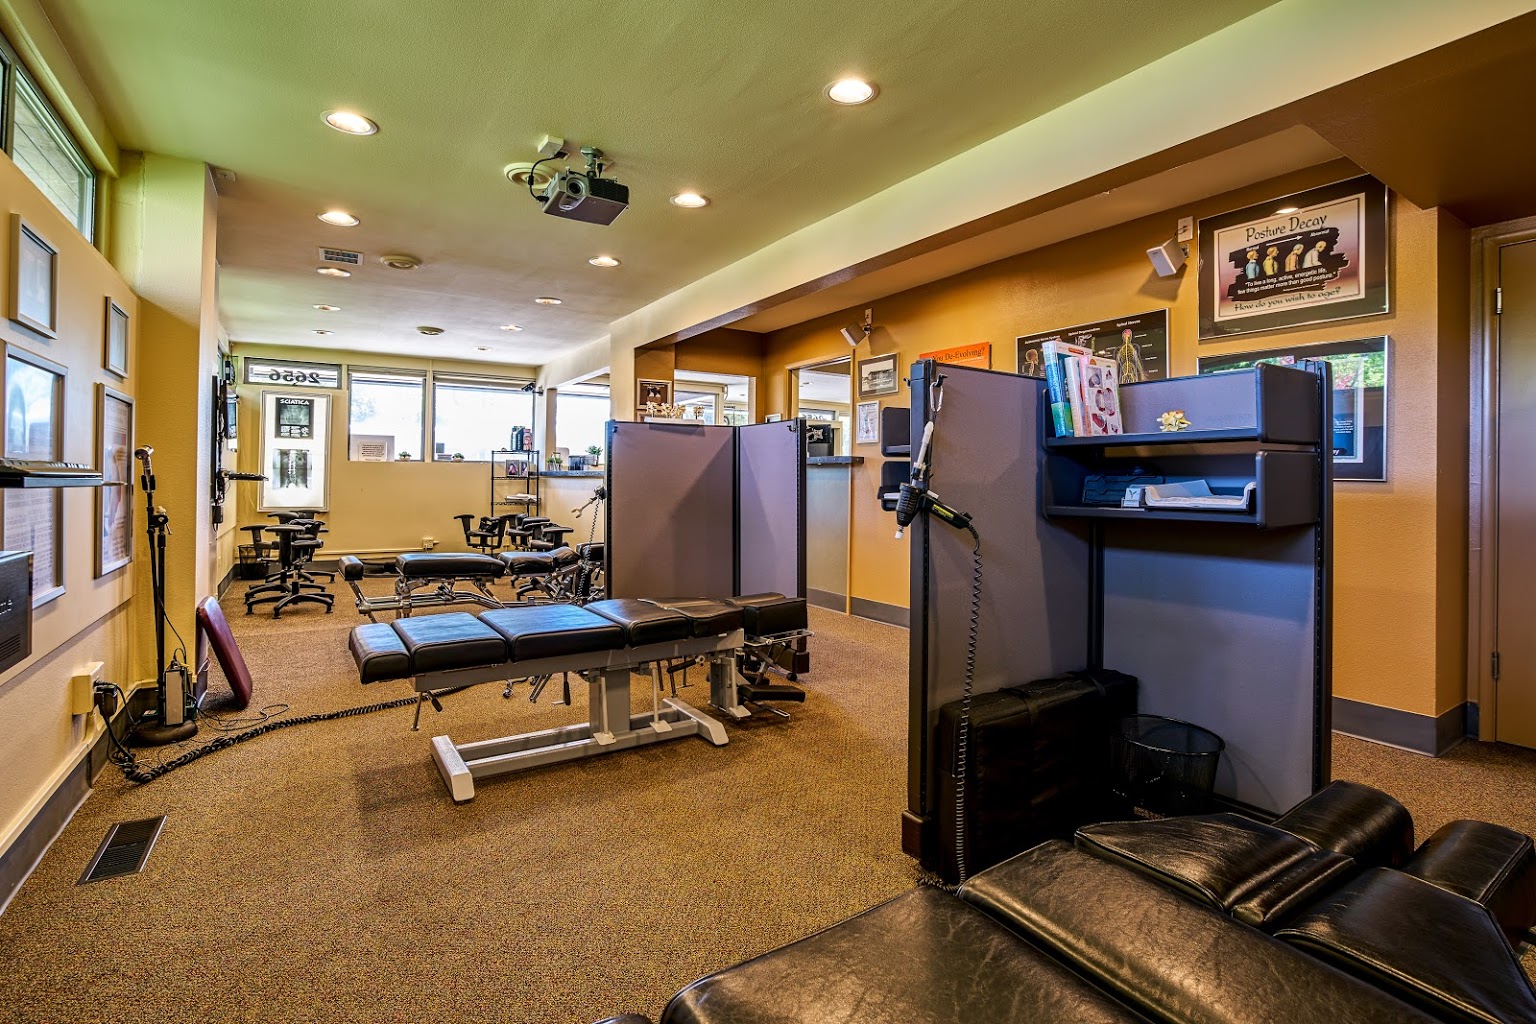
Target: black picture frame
(879,375)
(1361,388)
(1277,264)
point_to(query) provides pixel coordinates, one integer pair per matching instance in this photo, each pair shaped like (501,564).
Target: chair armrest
(626,1018)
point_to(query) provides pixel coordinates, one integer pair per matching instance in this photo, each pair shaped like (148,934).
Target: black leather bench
(1148,915)
(441,571)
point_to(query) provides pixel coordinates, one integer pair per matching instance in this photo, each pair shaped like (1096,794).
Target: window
(474,416)
(45,151)
(385,415)
(581,417)
(703,401)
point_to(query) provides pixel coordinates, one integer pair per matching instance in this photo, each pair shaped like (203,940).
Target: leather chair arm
(627,1018)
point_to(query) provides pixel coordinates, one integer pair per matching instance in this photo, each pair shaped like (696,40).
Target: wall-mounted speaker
(1168,258)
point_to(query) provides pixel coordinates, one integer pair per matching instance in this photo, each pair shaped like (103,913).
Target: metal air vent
(124,850)
(345,257)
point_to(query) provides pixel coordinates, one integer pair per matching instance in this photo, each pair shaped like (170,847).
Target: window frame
(11,70)
(420,377)
(450,380)
(585,393)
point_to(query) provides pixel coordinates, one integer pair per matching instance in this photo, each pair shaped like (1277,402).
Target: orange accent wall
(1400,549)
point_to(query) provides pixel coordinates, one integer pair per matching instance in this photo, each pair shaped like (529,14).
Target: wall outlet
(82,689)
(428,543)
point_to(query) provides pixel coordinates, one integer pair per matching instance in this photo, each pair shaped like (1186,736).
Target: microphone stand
(167,723)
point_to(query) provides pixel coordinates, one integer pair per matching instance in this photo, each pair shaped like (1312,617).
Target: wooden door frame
(1483,461)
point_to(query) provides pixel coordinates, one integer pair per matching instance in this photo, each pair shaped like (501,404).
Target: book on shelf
(1096,398)
(1056,354)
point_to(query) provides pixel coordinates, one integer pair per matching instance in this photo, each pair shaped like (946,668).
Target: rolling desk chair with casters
(313,528)
(296,543)
(487,536)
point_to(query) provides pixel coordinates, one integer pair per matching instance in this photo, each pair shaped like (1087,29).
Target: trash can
(253,564)
(1163,766)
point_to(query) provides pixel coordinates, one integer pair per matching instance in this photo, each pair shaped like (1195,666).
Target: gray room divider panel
(770,480)
(1035,599)
(676,485)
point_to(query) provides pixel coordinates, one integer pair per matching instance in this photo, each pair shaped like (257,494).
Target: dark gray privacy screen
(770,472)
(672,510)
(1218,625)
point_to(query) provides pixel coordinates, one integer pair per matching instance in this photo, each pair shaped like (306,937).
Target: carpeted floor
(321,872)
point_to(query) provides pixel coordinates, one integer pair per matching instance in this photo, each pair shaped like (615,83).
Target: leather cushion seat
(563,557)
(590,551)
(379,652)
(1488,864)
(643,623)
(351,567)
(1362,823)
(768,614)
(1255,872)
(552,630)
(448,565)
(920,958)
(1427,945)
(438,643)
(527,563)
(1165,956)
(707,618)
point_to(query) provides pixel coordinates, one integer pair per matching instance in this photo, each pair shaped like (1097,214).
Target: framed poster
(877,376)
(1359,398)
(867,422)
(114,498)
(1306,258)
(34,279)
(1138,344)
(295,451)
(114,350)
(653,392)
(34,427)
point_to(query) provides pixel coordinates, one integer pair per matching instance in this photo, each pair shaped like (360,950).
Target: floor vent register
(124,850)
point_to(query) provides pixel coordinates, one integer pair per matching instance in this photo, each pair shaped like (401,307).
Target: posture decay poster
(1314,256)
(1138,344)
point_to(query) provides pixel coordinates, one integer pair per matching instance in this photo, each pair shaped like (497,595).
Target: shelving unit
(1224,616)
(516,479)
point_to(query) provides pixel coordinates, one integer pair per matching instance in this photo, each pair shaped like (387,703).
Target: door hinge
(1498,301)
(1495,666)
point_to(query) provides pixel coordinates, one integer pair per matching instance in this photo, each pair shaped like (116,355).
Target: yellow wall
(40,741)
(375,507)
(1399,546)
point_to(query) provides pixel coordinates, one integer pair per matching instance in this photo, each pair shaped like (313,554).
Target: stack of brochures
(1084,390)
(1197,495)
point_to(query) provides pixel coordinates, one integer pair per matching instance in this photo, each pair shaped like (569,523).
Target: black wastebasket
(1164,766)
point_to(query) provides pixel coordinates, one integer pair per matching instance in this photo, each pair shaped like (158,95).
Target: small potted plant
(554,462)
(458,456)
(596,453)
(403,457)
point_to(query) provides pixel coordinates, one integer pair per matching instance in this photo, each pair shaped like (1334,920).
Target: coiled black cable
(962,744)
(135,773)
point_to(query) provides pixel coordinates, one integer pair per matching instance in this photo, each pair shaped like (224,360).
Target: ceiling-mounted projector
(585,195)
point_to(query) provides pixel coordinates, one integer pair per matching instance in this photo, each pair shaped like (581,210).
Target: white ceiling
(722,98)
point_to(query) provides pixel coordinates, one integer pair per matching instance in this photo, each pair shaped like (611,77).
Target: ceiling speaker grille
(344,256)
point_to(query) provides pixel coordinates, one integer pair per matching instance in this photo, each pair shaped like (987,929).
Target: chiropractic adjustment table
(603,642)
(418,570)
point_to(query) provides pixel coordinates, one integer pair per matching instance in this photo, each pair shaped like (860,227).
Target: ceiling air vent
(345,257)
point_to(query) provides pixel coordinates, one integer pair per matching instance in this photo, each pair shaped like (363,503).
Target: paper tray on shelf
(1198,496)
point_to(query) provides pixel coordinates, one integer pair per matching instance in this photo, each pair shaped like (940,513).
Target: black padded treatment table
(416,571)
(603,642)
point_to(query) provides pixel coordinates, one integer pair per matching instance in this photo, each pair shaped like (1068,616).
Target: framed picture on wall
(1359,398)
(1137,343)
(34,429)
(34,279)
(878,376)
(114,498)
(114,344)
(653,392)
(295,451)
(866,423)
(1306,258)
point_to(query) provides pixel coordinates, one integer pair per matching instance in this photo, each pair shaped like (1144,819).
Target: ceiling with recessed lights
(728,101)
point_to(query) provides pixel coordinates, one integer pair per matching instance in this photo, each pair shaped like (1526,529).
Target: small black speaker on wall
(15,607)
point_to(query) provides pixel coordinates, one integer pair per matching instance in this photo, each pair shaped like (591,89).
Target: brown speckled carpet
(322,874)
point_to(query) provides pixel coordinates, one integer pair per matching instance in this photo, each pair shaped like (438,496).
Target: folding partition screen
(705,511)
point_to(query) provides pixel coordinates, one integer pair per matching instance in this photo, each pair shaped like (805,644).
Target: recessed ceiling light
(689,200)
(511,327)
(333,272)
(482,348)
(430,332)
(352,124)
(322,333)
(547,300)
(850,92)
(327,308)
(603,261)
(339,218)
(1288,209)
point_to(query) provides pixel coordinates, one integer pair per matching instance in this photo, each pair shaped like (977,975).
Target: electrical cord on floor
(136,772)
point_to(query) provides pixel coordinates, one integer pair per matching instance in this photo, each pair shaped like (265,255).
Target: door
(1515,521)
(824,399)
